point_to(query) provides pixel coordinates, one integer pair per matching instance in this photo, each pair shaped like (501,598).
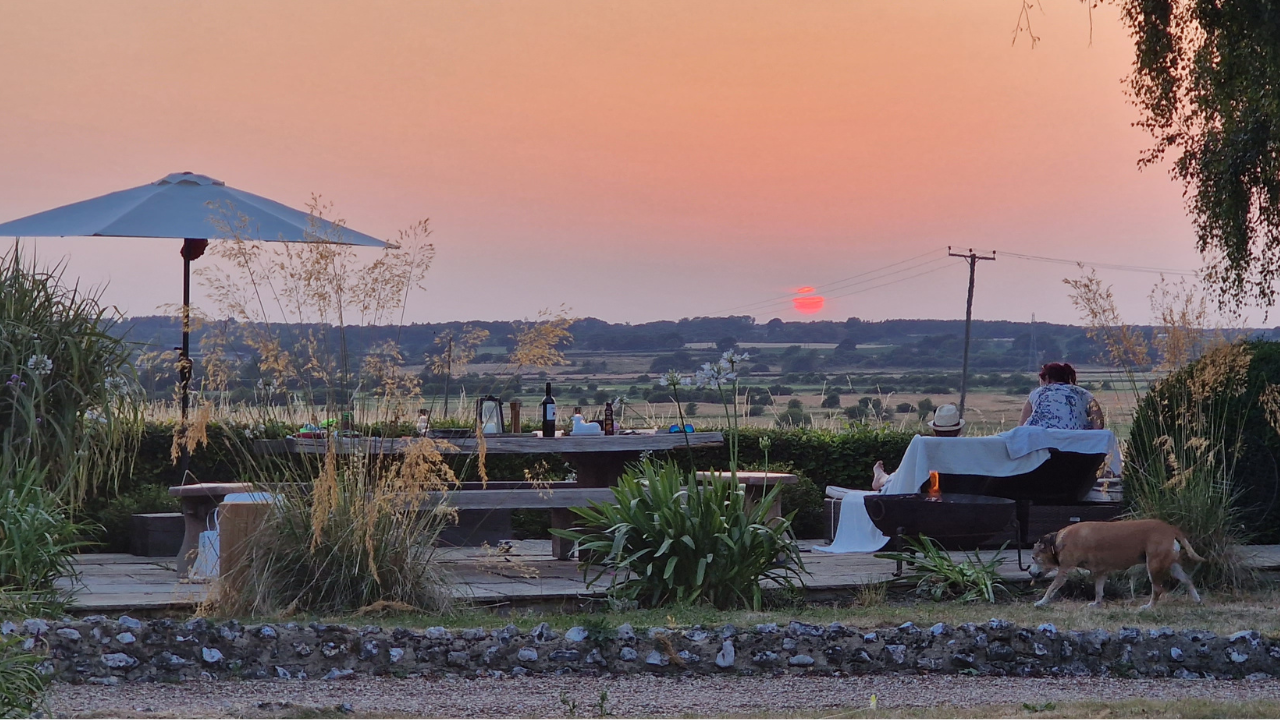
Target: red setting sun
(809,304)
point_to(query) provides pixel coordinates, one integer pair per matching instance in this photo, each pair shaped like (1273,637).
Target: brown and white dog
(1106,547)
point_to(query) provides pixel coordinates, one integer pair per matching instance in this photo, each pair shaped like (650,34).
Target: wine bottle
(607,425)
(548,414)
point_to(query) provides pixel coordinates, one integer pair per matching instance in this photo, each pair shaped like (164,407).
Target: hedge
(1250,443)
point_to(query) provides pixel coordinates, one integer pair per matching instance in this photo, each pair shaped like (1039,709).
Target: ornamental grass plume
(364,534)
(538,342)
(1181,457)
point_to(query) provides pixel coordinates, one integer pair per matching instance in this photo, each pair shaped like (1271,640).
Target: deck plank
(525,573)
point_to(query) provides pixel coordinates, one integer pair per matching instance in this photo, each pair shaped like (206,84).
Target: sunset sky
(633,160)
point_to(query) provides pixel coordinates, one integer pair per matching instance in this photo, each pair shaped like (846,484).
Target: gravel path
(630,696)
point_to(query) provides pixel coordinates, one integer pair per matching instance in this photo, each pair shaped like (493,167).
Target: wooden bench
(556,499)
(758,484)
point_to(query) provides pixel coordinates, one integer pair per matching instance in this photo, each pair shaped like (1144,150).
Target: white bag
(206,565)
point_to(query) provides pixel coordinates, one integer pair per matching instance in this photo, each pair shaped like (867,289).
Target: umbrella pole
(184,366)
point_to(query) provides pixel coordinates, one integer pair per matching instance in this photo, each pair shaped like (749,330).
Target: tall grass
(37,537)
(1185,466)
(362,533)
(69,424)
(67,396)
(22,686)
(1180,457)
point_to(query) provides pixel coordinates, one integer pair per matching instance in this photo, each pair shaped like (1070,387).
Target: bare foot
(880,475)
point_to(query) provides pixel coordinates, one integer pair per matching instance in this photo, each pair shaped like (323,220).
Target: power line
(1104,266)
(834,283)
(892,282)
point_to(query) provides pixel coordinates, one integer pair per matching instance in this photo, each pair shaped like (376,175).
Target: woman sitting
(1060,403)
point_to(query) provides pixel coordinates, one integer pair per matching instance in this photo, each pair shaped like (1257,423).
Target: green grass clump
(670,538)
(942,578)
(22,686)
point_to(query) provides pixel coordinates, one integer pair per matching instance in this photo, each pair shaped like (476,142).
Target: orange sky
(635,160)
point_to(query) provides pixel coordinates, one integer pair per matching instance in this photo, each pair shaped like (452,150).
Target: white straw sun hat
(946,417)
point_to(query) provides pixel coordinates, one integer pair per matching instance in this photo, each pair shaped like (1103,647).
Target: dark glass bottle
(607,425)
(548,414)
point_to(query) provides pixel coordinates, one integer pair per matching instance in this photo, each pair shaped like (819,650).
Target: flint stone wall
(104,651)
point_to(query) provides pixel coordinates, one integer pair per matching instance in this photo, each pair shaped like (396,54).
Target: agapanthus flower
(117,384)
(40,365)
(15,382)
(734,358)
(715,375)
(671,379)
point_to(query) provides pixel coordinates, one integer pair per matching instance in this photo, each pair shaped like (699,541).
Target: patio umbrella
(183,205)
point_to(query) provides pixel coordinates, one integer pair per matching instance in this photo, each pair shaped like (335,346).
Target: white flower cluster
(722,372)
(255,432)
(117,384)
(40,365)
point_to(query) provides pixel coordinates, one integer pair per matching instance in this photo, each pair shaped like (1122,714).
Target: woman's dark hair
(1058,373)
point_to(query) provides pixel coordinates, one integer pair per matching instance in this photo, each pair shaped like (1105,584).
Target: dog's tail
(1181,543)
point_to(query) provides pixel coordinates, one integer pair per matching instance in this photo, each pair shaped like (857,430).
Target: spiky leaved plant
(670,538)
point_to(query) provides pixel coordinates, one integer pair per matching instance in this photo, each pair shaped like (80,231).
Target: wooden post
(515,416)
(238,526)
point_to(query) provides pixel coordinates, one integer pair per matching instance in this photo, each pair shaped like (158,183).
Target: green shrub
(113,517)
(22,686)
(803,503)
(1219,402)
(37,537)
(794,416)
(672,539)
(827,457)
(924,407)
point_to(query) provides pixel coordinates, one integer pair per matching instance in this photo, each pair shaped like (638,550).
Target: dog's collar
(1053,550)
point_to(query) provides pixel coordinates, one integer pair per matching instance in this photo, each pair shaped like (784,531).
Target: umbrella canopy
(182,205)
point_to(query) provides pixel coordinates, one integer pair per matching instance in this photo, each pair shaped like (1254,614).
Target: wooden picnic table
(199,501)
(598,462)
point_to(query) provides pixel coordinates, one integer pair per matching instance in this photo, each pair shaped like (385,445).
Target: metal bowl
(953,519)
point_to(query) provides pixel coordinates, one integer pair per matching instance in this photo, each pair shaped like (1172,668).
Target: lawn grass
(1258,610)
(1146,709)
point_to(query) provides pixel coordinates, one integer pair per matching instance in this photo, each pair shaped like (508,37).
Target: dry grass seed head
(536,342)
(1222,369)
(191,433)
(1104,324)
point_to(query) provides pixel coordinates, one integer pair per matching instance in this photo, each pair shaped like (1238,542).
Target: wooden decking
(526,574)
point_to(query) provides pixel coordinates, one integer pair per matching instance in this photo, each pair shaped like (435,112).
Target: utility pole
(972,258)
(1035,356)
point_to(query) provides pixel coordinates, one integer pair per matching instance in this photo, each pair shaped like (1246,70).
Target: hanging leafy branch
(1207,80)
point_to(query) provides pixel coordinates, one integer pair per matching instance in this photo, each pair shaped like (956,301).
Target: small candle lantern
(489,415)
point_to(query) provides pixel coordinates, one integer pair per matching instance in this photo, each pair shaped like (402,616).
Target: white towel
(1028,439)
(1015,452)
